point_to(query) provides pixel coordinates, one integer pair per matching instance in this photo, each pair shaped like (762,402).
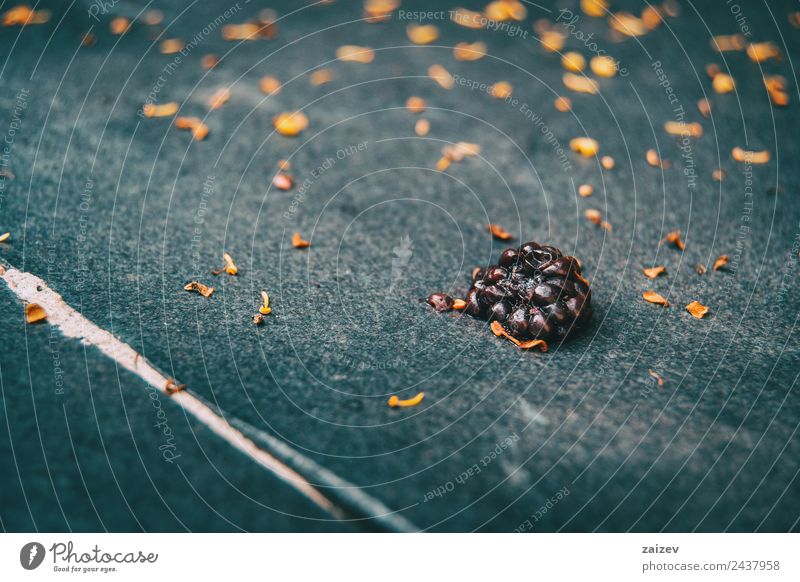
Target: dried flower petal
(270,85)
(498,330)
(194,124)
(265,309)
(246,31)
(467,18)
(727,42)
(552,40)
(163,110)
(594,216)
(603,66)
(439,74)
(585,146)
(655,160)
(656,377)
(209,61)
(355,54)
(502,10)
(607,162)
(499,232)
(573,61)
(422,127)
(723,83)
(653,297)
(34,313)
(762,51)
(674,238)
(720,262)
(627,24)
(422,33)
(153,17)
(290,124)
(501,90)
(219,98)
(170,46)
(5,236)
(23,15)
(776,87)
(171,387)
(653,272)
(283,181)
(395,402)
(321,77)
(229,266)
(704,107)
(298,242)
(751,157)
(697,309)
(119,25)
(197,287)
(682,128)
(585,190)
(651,17)
(580,83)
(415,104)
(595,8)
(563,104)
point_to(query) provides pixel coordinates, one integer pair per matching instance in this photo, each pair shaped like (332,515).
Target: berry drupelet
(535,292)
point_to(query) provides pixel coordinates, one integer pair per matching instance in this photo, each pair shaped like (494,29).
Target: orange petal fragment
(656,376)
(721,261)
(499,232)
(653,297)
(355,54)
(395,402)
(674,238)
(163,110)
(653,272)
(290,124)
(298,242)
(197,287)
(34,313)
(697,309)
(441,75)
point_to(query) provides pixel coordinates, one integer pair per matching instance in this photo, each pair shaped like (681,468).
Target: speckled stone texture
(118,213)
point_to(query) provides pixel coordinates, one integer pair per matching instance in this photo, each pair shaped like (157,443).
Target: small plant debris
(720,262)
(441,302)
(697,309)
(197,287)
(674,238)
(653,297)
(656,376)
(195,125)
(229,266)
(34,313)
(298,242)
(653,272)
(265,309)
(499,232)
(290,124)
(395,402)
(172,387)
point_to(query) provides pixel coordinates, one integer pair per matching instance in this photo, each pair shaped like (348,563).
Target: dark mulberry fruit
(535,293)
